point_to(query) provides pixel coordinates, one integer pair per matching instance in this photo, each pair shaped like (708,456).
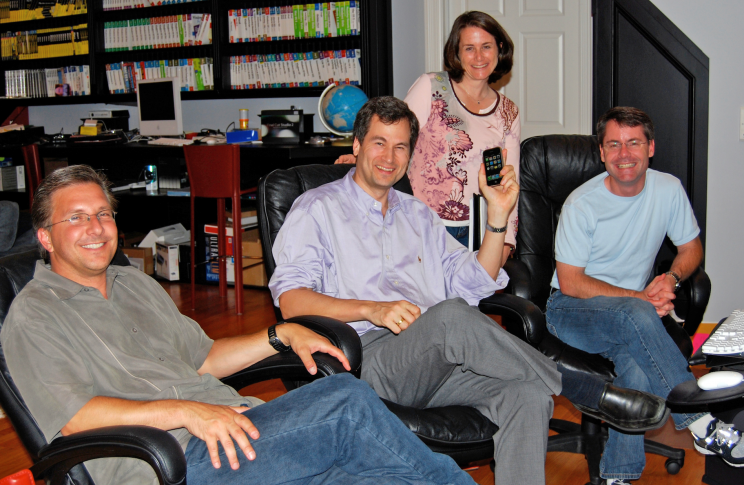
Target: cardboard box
(167,261)
(141,256)
(254,273)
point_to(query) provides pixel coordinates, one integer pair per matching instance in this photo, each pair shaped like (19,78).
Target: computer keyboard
(728,338)
(170,141)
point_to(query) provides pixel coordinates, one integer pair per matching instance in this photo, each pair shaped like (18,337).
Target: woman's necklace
(473,98)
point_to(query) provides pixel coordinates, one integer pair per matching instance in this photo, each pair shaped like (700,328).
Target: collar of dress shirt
(368,205)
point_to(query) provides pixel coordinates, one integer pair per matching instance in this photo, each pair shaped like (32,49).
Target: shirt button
(134,330)
(387,256)
(396,282)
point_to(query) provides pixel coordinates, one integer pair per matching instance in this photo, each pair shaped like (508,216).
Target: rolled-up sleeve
(303,258)
(464,276)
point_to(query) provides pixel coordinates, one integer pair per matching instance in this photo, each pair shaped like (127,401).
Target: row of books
(158,32)
(196,74)
(44,43)
(312,20)
(42,83)
(128,4)
(295,70)
(23,10)
(13,178)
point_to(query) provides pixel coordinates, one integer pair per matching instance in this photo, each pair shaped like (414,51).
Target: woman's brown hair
(486,22)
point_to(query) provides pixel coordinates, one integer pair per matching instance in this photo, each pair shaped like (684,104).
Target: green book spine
(294,22)
(325,19)
(180,30)
(198,74)
(311,20)
(347,18)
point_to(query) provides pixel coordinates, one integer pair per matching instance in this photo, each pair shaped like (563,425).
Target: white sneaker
(722,439)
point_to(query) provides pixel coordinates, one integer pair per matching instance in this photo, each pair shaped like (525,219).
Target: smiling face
(627,168)
(382,158)
(478,53)
(79,253)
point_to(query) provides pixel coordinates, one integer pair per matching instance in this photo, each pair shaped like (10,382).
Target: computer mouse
(211,141)
(720,380)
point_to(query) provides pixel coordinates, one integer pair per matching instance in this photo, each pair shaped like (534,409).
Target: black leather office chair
(57,462)
(458,431)
(551,167)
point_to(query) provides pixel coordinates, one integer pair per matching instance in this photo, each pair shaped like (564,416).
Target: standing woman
(461,116)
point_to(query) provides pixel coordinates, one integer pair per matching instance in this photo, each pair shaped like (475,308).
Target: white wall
(716,28)
(408,64)
(409,56)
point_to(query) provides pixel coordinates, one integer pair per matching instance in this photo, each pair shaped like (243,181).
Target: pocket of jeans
(552,330)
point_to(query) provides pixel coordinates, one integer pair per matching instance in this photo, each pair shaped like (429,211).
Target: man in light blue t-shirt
(610,231)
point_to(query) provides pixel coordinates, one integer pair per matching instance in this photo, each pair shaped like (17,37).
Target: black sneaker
(617,481)
(724,440)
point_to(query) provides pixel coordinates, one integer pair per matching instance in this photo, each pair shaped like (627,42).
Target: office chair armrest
(340,334)
(696,289)
(575,359)
(286,366)
(157,447)
(519,279)
(524,319)
(520,317)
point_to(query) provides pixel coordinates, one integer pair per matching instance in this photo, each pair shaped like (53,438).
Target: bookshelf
(373,44)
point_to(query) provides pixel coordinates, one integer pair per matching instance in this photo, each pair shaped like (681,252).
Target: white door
(551,80)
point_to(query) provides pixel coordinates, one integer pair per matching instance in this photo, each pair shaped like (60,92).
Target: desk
(141,212)
(121,161)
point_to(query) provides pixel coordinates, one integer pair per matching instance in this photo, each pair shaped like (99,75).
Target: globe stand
(346,141)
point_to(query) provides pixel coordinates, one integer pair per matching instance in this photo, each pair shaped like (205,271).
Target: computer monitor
(159,106)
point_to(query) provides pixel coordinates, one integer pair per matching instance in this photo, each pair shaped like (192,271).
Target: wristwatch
(276,342)
(677,279)
(489,227)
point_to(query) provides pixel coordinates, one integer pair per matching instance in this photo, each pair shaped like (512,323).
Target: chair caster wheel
(673,466)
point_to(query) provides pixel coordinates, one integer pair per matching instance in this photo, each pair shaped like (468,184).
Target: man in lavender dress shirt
(382,261)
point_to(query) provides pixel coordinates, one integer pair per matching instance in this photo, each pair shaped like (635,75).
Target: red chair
(32,160)
(214,172)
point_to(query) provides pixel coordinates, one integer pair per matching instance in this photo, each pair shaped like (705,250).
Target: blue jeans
(460,233)
(335,430)
(630,333)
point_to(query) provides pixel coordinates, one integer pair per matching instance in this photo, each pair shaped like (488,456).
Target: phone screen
(494,163)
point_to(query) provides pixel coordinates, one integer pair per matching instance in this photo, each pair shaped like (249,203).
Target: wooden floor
(217,316)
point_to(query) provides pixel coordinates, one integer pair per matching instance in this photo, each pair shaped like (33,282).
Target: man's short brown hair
(389,110)
(625,116)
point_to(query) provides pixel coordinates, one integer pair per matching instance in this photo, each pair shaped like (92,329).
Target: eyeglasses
(616,146)
(81,218)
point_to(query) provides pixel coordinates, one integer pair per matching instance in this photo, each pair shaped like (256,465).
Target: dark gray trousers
(455,355)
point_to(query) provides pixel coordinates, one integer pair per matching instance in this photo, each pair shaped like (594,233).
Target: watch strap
(677,279)
(275,342)
(497,230)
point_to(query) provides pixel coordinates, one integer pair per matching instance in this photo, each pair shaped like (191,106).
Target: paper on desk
(173,234)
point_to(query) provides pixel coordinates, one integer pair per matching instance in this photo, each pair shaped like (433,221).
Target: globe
(338,107)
